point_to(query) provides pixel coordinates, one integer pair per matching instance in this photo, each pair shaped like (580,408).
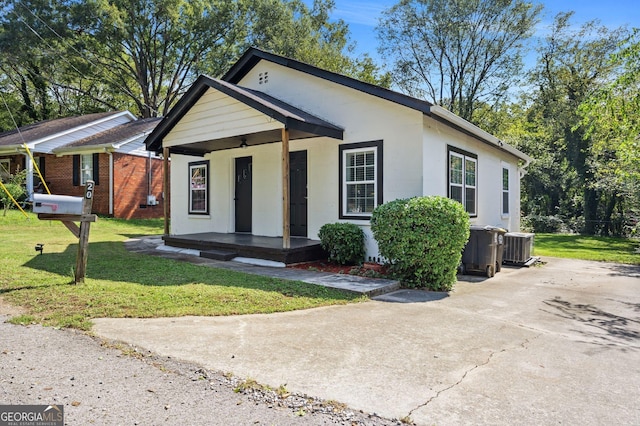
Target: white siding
(437,137)
(215,116)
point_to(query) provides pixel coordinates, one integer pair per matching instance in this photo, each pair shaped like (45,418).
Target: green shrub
(343,241)
(423,239)
(15,187)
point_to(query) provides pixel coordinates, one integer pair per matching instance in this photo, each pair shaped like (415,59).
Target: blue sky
(362,16)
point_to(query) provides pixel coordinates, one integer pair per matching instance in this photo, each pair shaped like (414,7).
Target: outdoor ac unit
(517,247)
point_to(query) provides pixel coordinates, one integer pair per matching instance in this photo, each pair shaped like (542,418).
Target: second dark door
(298,193)
(243,194)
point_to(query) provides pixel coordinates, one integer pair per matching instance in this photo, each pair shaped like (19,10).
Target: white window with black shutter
(85,168)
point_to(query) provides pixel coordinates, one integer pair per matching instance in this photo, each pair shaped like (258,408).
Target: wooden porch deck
(226,246)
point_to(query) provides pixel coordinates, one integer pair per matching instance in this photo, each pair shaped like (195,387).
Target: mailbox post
(69,210)
(83,238)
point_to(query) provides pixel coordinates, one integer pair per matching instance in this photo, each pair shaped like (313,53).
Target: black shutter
(96,170)
(76,170)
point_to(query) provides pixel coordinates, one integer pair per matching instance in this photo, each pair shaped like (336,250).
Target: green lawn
(606,249)
(124,284)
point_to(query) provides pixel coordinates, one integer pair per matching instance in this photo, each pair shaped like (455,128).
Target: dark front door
(298,193)
(243,194)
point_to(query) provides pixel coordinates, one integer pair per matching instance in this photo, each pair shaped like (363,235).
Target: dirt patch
(370,270)
(7,309)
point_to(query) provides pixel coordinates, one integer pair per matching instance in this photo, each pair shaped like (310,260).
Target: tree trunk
(590,206)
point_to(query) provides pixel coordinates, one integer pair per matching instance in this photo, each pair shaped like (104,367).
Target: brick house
(105,147)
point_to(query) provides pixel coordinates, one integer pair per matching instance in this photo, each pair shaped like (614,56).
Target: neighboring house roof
(111,139)
(57,132)
(299,122)
(253,56)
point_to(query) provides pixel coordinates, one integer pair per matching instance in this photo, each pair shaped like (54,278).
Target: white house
(278,148)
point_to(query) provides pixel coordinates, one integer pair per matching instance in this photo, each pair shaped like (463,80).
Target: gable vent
(263,77)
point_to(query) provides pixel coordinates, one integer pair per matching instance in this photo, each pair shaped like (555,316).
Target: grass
(605,249)
(124,284)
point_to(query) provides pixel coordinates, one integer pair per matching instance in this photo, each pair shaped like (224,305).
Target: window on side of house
(85,167)
(505,191)
(5,169)
(199,187)
(463,178)
(360,179)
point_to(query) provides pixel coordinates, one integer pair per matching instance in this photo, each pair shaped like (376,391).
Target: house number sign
(89,190)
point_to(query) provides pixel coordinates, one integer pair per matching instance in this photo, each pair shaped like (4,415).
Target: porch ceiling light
(243,143)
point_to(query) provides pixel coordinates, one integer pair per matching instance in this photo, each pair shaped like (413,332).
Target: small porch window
(199,187)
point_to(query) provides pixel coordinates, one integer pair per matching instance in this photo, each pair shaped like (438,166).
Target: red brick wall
(130,183)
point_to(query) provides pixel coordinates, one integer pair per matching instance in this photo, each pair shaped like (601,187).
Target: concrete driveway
(555,344)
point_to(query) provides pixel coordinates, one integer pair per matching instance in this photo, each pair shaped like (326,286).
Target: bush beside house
(344,242)
(423,239)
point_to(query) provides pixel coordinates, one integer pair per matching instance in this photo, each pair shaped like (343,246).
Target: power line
(82,55)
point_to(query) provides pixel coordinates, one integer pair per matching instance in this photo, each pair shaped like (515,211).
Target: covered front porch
(199,127)
(220,246)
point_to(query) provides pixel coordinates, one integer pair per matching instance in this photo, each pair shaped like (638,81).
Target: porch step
(218,254)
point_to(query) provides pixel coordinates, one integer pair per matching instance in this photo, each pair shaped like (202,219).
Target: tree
(147,52)
(150,50)
(572,65)
(75,57)
(456,53)
(612,119)
(291,29)
(40,74)
(28,60)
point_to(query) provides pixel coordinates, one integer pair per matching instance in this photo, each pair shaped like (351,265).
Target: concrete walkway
(556,344)
(367,286)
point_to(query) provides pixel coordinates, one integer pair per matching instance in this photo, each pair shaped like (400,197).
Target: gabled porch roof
(299,123)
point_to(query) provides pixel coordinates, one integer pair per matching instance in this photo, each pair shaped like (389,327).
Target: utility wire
(67,44)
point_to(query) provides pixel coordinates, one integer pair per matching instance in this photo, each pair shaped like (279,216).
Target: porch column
(29,181)
(286,218)
(165,188)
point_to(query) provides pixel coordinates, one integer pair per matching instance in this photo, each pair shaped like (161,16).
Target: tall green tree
(612,119)
(457,53)
(27,60)
(572,65)
(292,29)
(38,70)
(74,57)
(150,50)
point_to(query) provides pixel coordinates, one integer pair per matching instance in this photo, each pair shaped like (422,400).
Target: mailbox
(57,204)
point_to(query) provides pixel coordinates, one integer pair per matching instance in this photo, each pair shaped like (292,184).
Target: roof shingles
(48,128)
